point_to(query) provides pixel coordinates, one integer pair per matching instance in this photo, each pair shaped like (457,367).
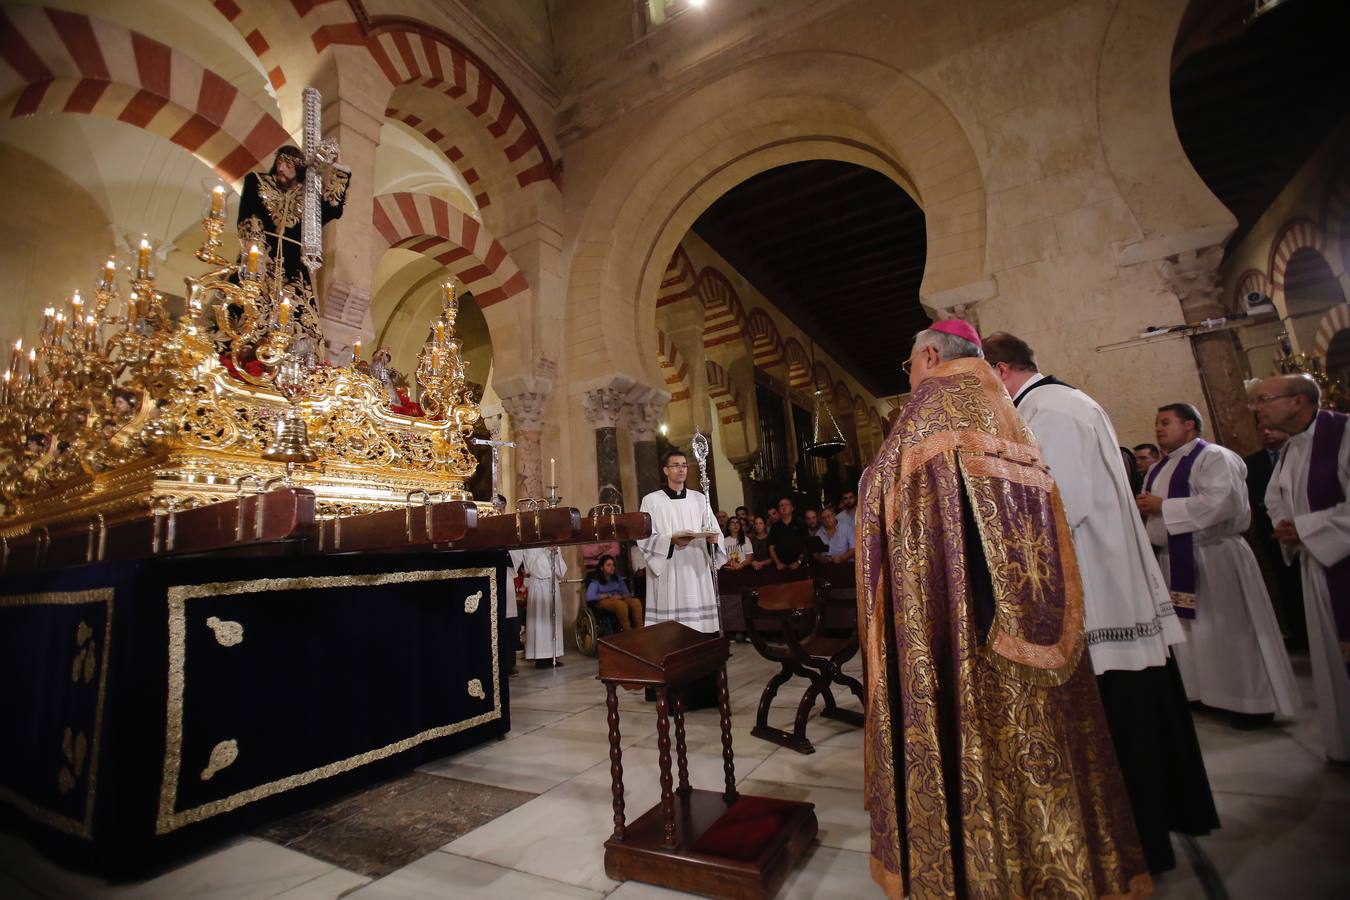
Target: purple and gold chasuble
(990,771)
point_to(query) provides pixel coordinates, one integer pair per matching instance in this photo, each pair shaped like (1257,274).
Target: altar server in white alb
(544,570)
(1128,612)
(1196,508)
(679,577)
(1307,500)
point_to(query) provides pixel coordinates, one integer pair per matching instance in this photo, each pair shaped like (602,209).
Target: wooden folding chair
(786,623)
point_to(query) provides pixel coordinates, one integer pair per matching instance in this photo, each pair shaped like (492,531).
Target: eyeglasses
(1268,398)
(677,465)
(905,366)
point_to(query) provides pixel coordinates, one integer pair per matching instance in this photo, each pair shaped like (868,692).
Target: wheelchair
(592,624)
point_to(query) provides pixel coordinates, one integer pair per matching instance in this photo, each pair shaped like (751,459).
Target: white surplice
(544,569)
(1127,607)
(1234,657)
(1324,538)
(679,580)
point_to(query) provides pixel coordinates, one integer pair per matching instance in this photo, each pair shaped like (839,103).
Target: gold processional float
(124,407)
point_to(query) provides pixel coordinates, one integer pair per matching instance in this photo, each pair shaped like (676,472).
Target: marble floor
(1285,812)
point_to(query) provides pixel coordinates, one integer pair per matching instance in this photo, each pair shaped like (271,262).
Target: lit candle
(48,320)
(131,307)
(60,324)
(77,308)
(449,294)
(552,472)
(253,260)
(109,274)
(143,259)
(7,377)
(217,200)
(32,363)
(17,356)
(440,332)
(356,350)
(284,311)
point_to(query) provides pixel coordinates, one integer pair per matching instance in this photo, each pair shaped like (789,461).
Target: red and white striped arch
(447,146)
(1336,320)
(674,367)
(247,19)
(429,225)
(765,341)
(411,52)
(679,281)
(1251,280)
(724,318)
(824,381)
(798,364)
(724,394)
(56,61)
(1296,235)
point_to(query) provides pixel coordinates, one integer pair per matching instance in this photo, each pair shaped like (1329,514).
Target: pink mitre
(958,328)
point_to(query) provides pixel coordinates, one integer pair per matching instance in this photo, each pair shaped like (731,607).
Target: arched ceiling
(193,27)
(840,250)
(407,161)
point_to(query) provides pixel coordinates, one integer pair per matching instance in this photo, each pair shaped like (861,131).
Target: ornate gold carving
(471,602)
(82,827)
(228,634)
(169,817)
(134,404)
(476,689)
(222,756)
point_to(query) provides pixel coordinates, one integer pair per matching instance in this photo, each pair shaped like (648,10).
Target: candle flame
(18,346)
(145,244)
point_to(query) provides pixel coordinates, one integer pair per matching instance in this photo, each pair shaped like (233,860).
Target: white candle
(217,200)
(552,472)
(253,260)
(143,259)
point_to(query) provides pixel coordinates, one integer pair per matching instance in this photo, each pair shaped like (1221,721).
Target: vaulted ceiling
(840,250)
(1253,98)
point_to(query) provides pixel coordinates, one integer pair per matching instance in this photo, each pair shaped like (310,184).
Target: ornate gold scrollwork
(476,689)
(471,602)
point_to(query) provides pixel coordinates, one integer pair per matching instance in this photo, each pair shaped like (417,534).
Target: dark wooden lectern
(703,842)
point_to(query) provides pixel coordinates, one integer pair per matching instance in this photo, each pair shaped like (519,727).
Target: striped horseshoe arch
(428,225)
(62,62)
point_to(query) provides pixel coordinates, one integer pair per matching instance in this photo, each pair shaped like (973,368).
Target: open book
(698,534)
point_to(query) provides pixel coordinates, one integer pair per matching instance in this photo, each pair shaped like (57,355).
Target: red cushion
(745,829)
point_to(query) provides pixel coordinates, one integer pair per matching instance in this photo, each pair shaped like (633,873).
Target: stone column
(603,407)
(643,421)
(526,410)
(1194,277)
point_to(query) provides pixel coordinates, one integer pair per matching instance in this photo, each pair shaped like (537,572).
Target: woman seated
(737,544)
(610,592)
(759,541)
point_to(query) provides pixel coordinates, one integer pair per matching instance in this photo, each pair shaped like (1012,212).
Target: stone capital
(603,406)
(1193,276)
(644,418)
(526,410)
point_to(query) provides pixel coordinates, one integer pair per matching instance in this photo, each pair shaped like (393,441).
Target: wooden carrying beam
(259,519)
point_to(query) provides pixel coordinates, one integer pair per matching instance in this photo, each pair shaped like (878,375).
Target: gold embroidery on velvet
(1182,599)
(1031,567)
(283,206)
(74,748)
(86,654)
(169,818)
(476,689)
(228,634)
(471,602)
(1008,470)
(334,184)
(222,756)
(84,827)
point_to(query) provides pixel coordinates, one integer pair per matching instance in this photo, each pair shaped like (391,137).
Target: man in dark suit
(1286,588)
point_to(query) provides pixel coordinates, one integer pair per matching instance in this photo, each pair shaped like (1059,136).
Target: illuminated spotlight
(663,428)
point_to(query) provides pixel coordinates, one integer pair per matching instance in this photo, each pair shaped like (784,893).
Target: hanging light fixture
(826,438)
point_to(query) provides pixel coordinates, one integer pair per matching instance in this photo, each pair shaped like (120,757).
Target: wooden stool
(719,844)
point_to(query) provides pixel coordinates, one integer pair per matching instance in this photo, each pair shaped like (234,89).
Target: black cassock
(265,211)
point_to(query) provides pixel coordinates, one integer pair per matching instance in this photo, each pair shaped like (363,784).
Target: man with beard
(271,207)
